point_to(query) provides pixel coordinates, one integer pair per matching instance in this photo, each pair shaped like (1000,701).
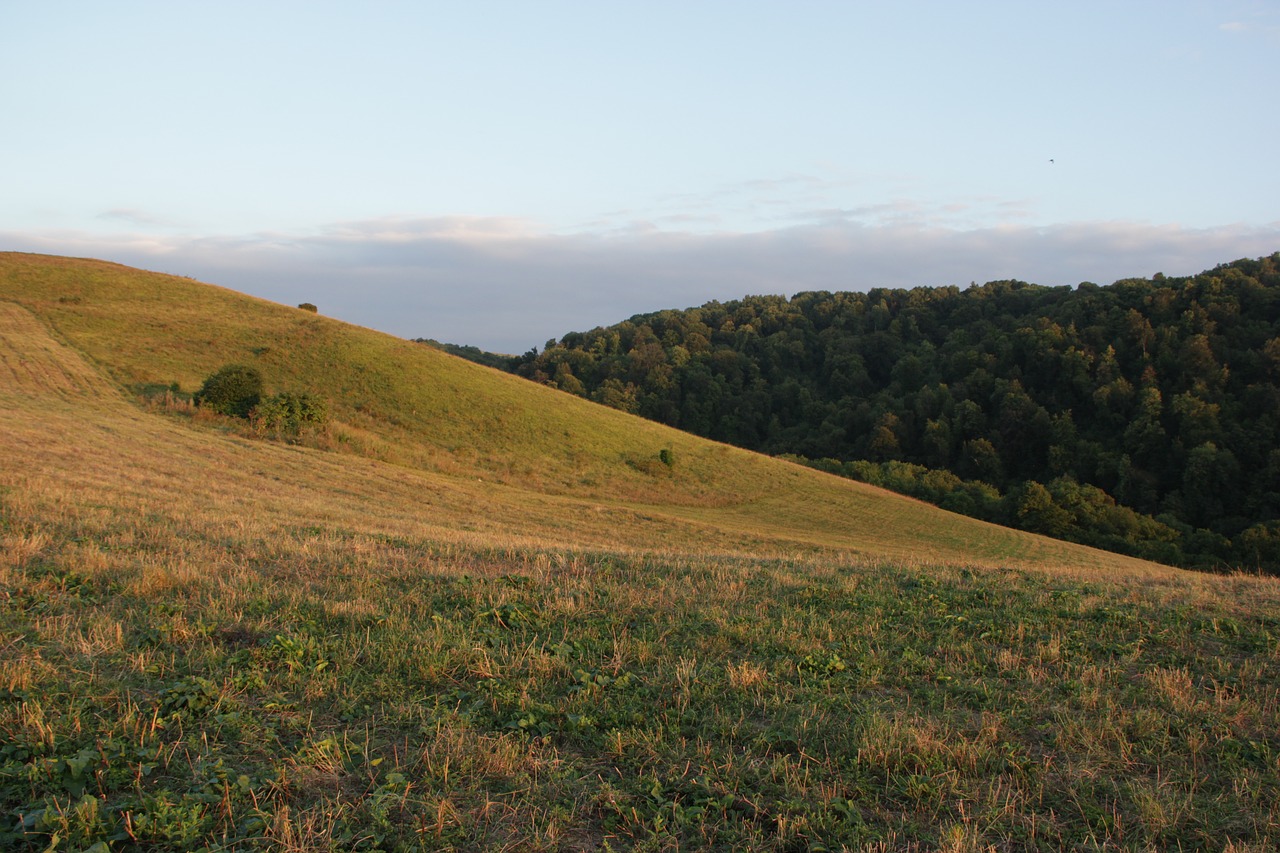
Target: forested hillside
(1141,416)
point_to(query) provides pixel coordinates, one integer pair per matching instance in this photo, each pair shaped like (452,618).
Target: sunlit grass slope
(485,616)
(531,447)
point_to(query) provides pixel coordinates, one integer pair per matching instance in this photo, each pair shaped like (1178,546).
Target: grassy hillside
(487,616)
(431,413)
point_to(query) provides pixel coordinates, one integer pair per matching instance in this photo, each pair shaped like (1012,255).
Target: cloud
(409,229)
(728,206)
(1265,29)
(507,285)
(132,216)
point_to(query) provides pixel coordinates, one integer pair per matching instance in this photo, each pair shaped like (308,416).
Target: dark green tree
(233,390)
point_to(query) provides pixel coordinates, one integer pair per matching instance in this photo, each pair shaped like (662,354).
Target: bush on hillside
(233,390)
(288,414)
(307,306)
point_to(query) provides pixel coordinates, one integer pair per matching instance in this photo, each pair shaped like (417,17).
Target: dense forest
(1140,417)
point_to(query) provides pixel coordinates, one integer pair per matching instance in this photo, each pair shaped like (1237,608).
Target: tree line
(1140,416)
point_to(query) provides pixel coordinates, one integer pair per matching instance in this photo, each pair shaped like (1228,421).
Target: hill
(1143,417)
(442,417)
(481,613)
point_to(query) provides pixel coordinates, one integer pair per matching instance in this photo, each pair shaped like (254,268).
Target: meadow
(477,613)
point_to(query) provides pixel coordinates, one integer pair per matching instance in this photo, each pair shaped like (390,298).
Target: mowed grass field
(480,614)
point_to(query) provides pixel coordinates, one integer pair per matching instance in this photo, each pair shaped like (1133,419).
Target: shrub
(307,306)
(288,414)
(233,390)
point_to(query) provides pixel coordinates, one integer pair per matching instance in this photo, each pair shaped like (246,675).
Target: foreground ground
(324,688)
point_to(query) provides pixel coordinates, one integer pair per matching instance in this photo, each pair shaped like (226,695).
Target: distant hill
(1143,416)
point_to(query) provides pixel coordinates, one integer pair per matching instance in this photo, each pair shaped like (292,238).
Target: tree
(883,443)
(1035,510)
(981,461)
(566,381)
(1208,480)
(616,395)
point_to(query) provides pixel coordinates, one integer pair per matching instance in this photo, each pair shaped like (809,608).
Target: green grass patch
(563,700)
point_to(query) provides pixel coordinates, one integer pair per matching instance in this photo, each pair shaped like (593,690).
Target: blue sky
(499,173)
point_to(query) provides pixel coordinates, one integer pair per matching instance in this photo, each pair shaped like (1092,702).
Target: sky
(501,173)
